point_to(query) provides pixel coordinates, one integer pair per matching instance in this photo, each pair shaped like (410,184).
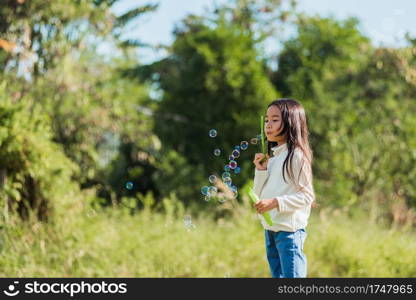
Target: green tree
(35,34)
(35,174)
(94,111)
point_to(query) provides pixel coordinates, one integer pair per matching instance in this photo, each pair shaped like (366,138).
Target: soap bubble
(129,185)
(228,181)
(227,168)
(187,220)
(212,190)
(212,178)
(253,141)
(231,157)
(91,213)
(237,170)
(233,164)
(207,198)
(233,188)
(204,190)
(212,133)
(237,148)
(226,175)
(236,154)
(222,200)
(217,152)
(244,145)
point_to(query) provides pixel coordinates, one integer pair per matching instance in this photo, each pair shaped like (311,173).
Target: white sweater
(294,200)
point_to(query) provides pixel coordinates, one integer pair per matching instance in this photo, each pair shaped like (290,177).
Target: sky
(384,21)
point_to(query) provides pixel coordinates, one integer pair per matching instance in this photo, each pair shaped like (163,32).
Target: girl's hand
(265,205)
(261,165)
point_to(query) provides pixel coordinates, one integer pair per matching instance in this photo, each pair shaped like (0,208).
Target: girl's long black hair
(294,127)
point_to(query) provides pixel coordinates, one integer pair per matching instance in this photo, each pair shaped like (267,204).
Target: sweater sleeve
(305,194)
(260,177)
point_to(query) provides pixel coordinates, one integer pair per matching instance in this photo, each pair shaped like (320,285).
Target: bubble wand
(263,148)
(251,194)
(254,199)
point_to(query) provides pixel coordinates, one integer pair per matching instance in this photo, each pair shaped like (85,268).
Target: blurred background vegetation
(76,126)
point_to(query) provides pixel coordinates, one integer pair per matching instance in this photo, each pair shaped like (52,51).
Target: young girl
(283,184)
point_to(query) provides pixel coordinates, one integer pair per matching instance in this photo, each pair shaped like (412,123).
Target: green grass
(148,244)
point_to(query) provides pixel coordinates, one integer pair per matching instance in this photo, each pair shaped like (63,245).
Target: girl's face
(273,124)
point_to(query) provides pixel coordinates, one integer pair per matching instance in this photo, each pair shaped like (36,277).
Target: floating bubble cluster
(209,191)
(231,168)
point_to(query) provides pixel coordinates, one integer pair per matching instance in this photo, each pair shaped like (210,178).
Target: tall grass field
(116,243)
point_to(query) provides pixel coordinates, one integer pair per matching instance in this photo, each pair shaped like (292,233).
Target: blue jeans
(285,253)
